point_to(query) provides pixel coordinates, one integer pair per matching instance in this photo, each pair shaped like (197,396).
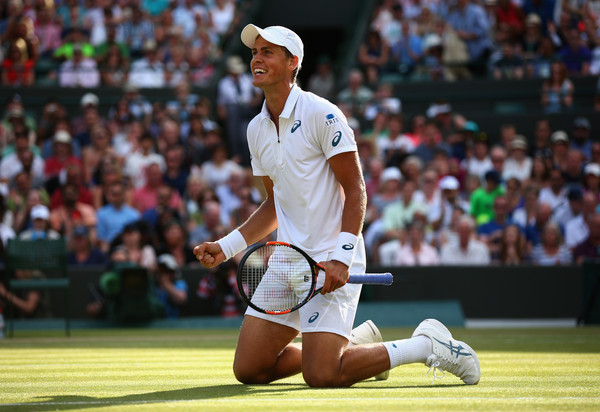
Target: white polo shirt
(308,198)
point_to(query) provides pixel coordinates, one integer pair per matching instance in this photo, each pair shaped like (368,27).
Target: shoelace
(435,366)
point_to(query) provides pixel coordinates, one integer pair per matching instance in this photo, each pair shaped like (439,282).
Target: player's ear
(293,62)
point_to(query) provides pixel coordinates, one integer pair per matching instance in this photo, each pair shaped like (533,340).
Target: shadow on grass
(215,392)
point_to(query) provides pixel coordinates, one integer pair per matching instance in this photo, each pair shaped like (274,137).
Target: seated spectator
(589,249)
(173,240)
(556,193)
(373,56)
(482,199)
(29,303)
(171,288)
(525,214)
(162,211)
(591,180)
(17,67)
(73,213)
(211,229)
(467,250)
(518,164)
(551,250)
(575,54)
(431,142)
(355,95)
(62,155)
(82,251)
(322,81)
(398,214)
(148,72)
(416,252)
(577,229)
(135,32)
(219,168)
(113,217)
(394,146)
(74,38)
(176,174)
(136,163)
(14,163)
(146,197)
(135,242)
(571,208)
(512,249)
(479,162)
(557,90)
(40,226)
(79,71)
(47,30)
(510,66)
(582,138)
(560,149)
(490,233)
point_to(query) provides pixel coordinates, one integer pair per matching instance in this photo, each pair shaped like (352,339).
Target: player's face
(269,64)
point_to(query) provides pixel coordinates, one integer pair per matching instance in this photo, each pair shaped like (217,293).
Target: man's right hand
(209,254)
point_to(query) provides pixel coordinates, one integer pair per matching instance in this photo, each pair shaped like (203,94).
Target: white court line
(250,400)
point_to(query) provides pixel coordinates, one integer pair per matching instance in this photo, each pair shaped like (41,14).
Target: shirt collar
(290,103)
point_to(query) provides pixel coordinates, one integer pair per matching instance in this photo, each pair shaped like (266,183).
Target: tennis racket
(278,278)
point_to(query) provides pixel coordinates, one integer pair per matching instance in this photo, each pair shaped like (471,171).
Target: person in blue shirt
(171,288)
(113,217)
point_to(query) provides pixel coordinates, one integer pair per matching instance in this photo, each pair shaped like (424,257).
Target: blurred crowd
(148,179)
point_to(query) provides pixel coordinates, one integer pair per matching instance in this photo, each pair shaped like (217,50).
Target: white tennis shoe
(364,333)
(449,354)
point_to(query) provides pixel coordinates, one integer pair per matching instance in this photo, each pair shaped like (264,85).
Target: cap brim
(251,32)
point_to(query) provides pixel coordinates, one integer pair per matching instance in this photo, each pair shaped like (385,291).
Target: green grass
(535,369)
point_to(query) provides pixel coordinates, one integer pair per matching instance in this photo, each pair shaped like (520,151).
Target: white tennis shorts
(333,312)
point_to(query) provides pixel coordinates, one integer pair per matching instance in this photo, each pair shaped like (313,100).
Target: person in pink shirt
(146,197)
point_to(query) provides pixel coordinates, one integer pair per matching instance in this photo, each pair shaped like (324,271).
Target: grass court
(186,369)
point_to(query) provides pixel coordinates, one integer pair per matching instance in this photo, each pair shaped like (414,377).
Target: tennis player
(305,152)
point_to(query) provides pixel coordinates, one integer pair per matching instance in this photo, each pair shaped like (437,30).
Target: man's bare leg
(264,352)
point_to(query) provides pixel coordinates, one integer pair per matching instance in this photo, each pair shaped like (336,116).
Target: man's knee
(324,379)
(248,374)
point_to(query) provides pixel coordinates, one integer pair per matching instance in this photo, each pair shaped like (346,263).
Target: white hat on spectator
(62,137)
(391,173)
(559,136)
(449,183)
(592,169)
(89,98)
(168,262)
(235,65)
(279,35)
(40,212)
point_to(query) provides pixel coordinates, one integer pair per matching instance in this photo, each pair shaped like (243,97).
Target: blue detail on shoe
(455,350)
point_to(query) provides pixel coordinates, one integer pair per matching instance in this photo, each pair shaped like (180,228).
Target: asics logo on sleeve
(336,138)
(348,246)
(296,125)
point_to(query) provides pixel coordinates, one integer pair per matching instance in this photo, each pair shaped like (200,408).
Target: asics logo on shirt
(296,125)
(313,317)
(348,246)
(336,138)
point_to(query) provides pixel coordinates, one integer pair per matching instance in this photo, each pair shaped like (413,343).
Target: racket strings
(276,277)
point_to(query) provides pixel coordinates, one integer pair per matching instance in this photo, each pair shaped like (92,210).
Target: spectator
(430,143)
(322,81)
(472,27)
(498,157)
(222,16)
(355,95)
(47,30)
(467,250)
(557,90)
(219,168)
(511,15)
(540,66)
(148,71)
(114,67)
(518,164)
(582,137)
(394,146)
(12,164)
(73,213)
(591,180)
(211,229)
(590,247)
(145,155)
(441,217)
(482,199)
(40,227)
(551,250)
(479,162)
(135,32)
(534,229)
(514,197)
(79,71)
(512,249)
(575,54)
(237,103)
(146,197)
(373,56)
(173,240)
(573,169)
(171,288)
(532,38)
(18,67)
(30,303)
(510,66)
(577,229)
(133,240)
(62,157)
(490,233)
(556,193)
(82,251)
(398,214)
(176,175)
(162,211)
(417,252)
(113,217)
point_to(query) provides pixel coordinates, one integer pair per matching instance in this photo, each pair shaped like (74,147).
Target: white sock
(414,350)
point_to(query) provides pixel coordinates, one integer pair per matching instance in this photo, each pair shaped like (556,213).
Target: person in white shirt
(556,193)
(80,71)
(518,164)
(306,154)
(149,71)
(468,250)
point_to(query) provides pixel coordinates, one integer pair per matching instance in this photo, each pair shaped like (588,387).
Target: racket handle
(372,278)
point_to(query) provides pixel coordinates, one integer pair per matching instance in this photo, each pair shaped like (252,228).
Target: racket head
(276,278)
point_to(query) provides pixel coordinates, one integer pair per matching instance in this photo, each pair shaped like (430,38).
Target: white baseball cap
(592,169)
(391,173)
(449,183)
(39,212)
(279,35)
